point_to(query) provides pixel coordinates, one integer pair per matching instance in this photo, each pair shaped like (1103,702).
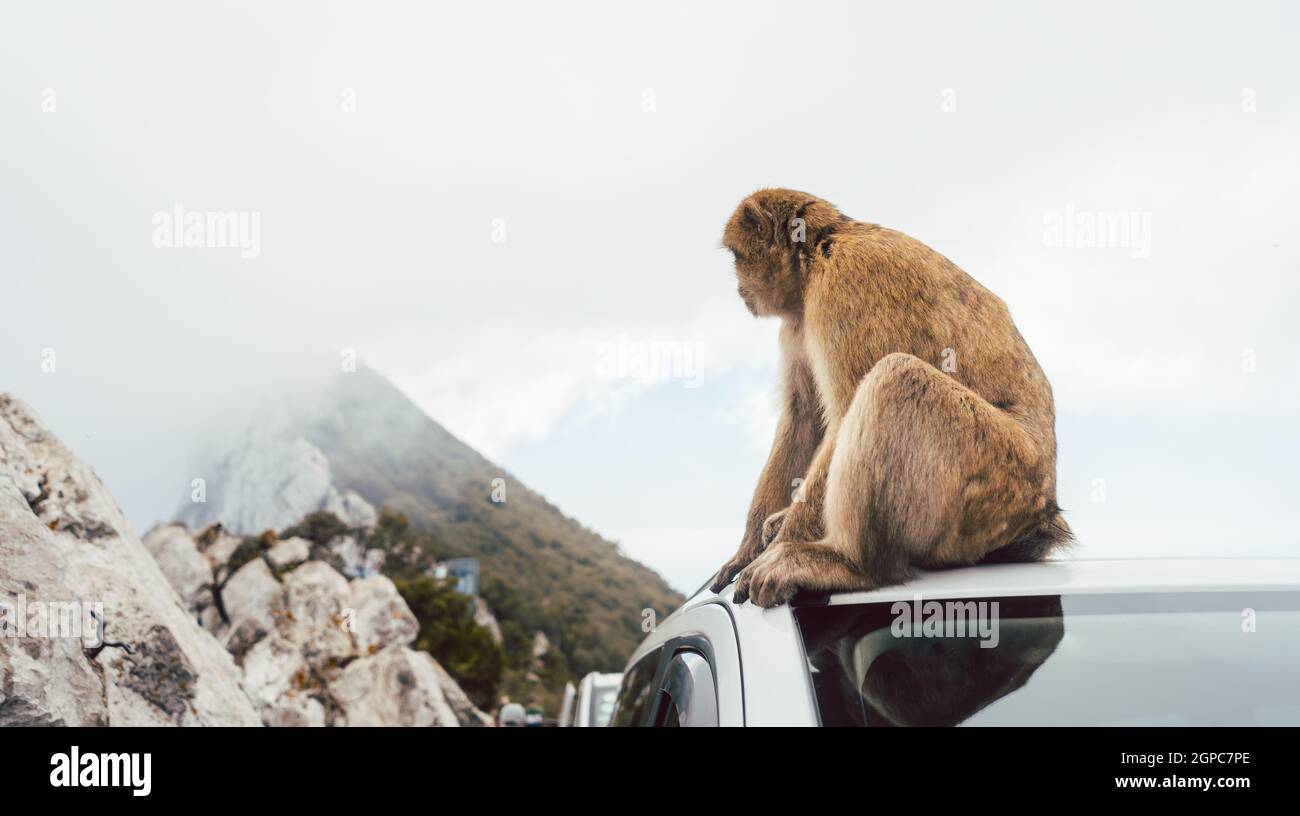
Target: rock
(288,553)
(351,509)
(380,616)
(218,549)
(483,617)
(270,667)
(395,687)
(250,598)
(270,482)
(43,680)
(348,553)
(467,714)
(181,562)
(352,560)
(541,644)
(295,711)
(317,611)
(62,538)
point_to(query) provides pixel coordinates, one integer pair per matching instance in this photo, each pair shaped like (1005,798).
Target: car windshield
(602,704)
(1122,659)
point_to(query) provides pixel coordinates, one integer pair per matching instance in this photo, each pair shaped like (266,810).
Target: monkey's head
(771,235)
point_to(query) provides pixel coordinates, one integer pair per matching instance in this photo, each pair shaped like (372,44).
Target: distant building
(465,571)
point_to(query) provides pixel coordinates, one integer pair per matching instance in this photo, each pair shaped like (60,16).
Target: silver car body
(756,659)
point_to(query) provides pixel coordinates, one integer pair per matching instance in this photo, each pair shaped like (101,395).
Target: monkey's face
(762,271)
(754,283)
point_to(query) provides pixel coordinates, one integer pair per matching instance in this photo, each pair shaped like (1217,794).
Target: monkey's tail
(1036,543)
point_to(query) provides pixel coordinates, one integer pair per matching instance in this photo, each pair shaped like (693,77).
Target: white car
(591,703)
(1131,642)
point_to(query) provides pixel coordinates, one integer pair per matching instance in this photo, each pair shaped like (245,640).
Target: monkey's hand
(750,549)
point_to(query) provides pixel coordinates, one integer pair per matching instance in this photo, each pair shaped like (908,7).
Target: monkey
(917,429)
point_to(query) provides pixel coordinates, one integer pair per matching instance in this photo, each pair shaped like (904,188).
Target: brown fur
(903,464)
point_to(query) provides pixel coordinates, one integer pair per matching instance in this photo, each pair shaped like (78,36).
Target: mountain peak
(356,442)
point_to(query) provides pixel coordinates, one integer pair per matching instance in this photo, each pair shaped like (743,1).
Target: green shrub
(449,633)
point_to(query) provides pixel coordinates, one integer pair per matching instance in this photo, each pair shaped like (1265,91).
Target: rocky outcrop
(64,541)
(312,647)
(269,483)
(381,617)
(483,617)
(353,559)
(353,510)
(397,686)
(288,553)
(202,628)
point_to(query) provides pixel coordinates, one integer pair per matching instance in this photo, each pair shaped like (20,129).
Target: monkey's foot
(789,566)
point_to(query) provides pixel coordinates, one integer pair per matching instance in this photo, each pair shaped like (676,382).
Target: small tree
(449,633)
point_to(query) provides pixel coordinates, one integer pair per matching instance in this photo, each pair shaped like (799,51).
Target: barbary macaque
(917,429)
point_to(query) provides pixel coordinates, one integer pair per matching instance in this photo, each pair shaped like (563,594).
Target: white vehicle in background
(1066,643)
(566,706)
(592,702)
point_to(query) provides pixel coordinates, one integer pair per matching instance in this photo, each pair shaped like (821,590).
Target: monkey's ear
(758,220)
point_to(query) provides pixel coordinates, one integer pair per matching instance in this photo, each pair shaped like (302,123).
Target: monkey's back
(883,291)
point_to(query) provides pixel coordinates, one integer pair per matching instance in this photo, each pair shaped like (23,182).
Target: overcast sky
(483,201)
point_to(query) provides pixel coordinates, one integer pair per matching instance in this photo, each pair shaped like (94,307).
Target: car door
(690,678)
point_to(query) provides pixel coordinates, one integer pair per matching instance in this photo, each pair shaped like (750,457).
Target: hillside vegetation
(539,569)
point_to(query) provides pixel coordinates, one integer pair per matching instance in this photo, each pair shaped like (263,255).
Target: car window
(689,697)
(602,704)
(1105,659)
(668,716)
(637,693)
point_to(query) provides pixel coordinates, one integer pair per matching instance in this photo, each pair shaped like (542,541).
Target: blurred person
(536,715)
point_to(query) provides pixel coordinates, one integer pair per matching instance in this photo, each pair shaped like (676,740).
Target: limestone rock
(380,615)
(397,686)
(295,711)
(270,482)
(483,617)
(348,553)
(181,562)
(270,667)
(541,644)
(316,611)
(250,598)
(62,538)
(351,509)
(467,714)
(288,553)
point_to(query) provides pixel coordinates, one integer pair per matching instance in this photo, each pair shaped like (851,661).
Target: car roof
(604,678)
(1074,577)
